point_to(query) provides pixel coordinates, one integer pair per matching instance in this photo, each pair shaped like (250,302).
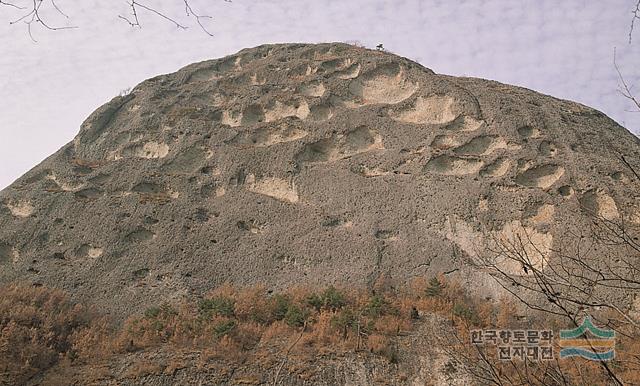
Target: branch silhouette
(32,12)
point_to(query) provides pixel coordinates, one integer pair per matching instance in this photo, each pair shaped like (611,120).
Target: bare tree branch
(636,15)
(633,170)
(32,14)
(10,5)
(136,22)
(33,17)
(573,281)
(624,88)
(58,9)
(189,11)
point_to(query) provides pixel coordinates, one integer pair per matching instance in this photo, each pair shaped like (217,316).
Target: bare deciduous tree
(591,271)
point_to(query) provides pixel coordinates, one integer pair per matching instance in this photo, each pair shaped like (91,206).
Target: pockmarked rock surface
(308,164)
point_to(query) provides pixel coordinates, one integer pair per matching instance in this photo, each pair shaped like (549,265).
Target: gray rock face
(307,164)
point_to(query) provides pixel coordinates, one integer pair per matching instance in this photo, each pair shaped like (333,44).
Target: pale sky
(562,48)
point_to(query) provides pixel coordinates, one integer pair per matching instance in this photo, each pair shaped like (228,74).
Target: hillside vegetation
(43,332)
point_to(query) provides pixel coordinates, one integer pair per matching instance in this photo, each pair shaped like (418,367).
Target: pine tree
(435,288)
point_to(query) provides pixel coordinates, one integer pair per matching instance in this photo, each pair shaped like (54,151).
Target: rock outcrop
(315,164)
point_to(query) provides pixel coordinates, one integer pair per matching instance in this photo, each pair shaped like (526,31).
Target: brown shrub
(41,328)
(250,305)
(377,343)
(326,335)
(227,350)
(94,342)
(36,329)
(249,334)
(628,352)
(276,332)
(391,325)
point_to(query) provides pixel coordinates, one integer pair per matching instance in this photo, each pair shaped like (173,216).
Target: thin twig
(11,5)
(633,170)
(58,9)
(636,15)
(624,89)
(136,23)
(189,11)
(33,16)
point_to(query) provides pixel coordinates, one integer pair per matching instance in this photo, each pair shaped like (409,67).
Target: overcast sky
(563,48)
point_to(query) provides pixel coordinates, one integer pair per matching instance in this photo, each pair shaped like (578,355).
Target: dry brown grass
(41,328)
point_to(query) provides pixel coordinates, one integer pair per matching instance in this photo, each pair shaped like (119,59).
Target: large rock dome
(309,164)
